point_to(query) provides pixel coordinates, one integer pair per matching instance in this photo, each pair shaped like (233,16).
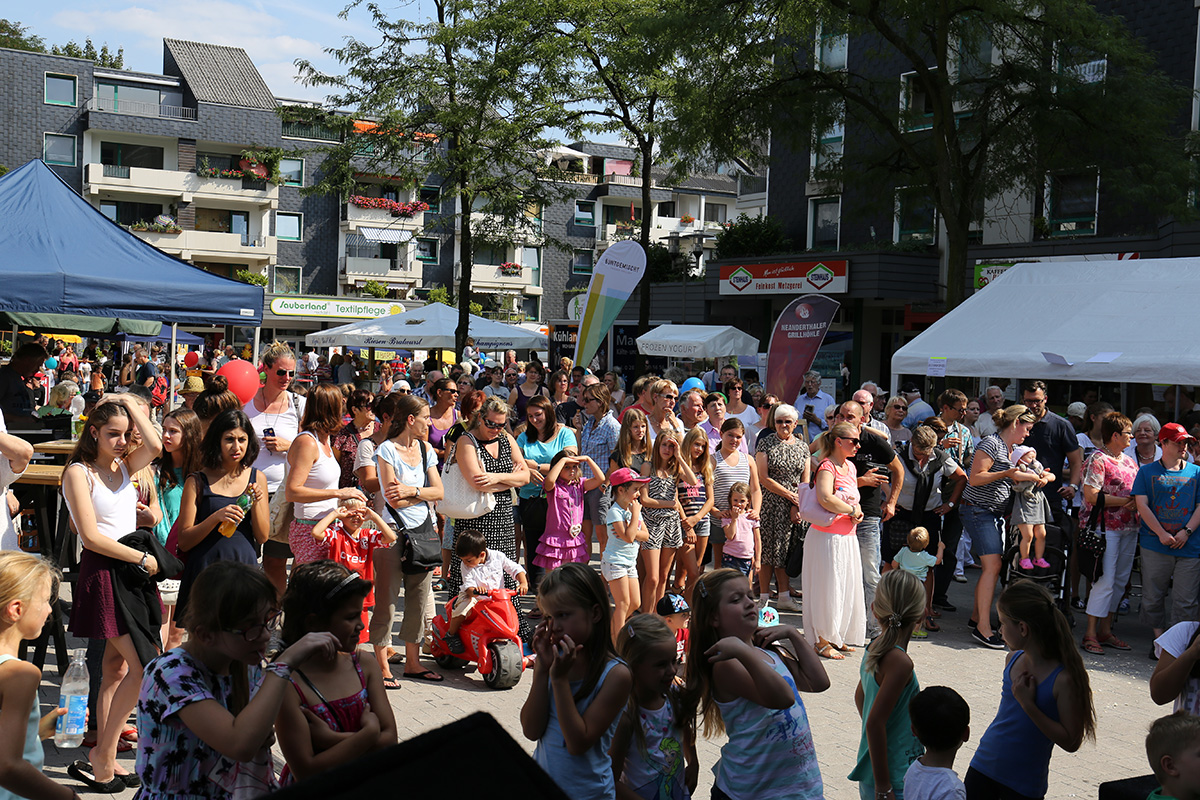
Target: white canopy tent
(1105,321)
(697,341)
(430,327)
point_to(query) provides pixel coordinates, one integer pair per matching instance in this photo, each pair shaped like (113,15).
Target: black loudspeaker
(472,757)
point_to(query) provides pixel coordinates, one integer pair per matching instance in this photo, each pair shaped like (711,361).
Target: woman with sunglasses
(663,396)
(737,402)
(275,414)
(443,413)
(893,416)
(783,464)
(361,426)
(834,610)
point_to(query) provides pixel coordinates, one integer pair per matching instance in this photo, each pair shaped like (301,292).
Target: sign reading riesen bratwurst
(790,278)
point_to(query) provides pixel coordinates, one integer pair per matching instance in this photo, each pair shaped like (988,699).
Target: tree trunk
(644,238)
(466,262)
(956,264)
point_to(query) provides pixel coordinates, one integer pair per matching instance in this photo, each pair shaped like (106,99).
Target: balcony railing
(752,184)
(137,109)
(114,171)
(308,130)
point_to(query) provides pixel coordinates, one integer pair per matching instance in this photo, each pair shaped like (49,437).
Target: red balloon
(191,358)
(242,377)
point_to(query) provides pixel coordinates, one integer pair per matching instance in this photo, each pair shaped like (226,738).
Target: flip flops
(425,675)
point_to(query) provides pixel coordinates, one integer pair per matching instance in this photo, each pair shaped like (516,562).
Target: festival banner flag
(613,281)
(797,337)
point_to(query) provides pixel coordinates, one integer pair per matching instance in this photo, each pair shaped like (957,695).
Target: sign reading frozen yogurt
(791,277)
(333,307)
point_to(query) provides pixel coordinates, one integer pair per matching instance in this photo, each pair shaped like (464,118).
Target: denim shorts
(611,572)
(986,529)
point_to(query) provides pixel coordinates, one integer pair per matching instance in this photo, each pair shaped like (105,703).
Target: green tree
(16,36)
(103,57)
(463,96)
(375,289)
(752,236)
(1002,96)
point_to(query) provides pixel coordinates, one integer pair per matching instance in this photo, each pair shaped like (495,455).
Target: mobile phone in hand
(268,431)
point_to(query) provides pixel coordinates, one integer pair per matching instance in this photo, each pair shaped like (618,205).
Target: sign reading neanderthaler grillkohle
(792,277)
(797,337)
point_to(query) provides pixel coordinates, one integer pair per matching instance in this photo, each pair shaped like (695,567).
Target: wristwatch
(950,503)
(1074,487)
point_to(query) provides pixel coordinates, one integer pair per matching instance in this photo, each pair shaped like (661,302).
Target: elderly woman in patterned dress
(783,464)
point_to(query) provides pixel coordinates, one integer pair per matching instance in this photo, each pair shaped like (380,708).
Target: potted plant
(510,269)
(687,219)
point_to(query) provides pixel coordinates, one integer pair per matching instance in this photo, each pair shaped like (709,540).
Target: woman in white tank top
(103,504)
(314,471)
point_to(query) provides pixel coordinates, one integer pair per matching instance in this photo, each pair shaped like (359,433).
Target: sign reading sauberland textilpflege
(790,278)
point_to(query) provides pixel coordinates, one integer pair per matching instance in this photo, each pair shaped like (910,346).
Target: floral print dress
(1113,476)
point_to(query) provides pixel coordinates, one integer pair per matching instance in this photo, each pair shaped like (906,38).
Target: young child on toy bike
(483,571)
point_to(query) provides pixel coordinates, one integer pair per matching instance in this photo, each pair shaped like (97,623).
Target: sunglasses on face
(286,373)
(493,425)
(850,439)
(671,397)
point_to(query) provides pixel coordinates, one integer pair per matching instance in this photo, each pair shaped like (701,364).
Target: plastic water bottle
(71,727)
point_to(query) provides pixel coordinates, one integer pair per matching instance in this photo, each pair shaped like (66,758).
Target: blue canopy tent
(181,337)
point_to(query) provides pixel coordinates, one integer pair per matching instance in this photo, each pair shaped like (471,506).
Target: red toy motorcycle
(489,634)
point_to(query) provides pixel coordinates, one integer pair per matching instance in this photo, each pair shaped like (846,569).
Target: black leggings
(981,787)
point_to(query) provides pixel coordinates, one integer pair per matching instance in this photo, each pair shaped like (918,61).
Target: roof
(218,74)
(1048,313)
(704,182)
(605,150)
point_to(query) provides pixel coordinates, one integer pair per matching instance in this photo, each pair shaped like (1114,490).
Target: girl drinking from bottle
(207,709)
(223,513)
(316,733)
(579,685)
(27,583)
(745,687)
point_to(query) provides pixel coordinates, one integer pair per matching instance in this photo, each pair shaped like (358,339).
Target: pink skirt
(304,547)
(554,550)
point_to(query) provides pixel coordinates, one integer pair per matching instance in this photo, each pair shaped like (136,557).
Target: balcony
(356,216)
(214,246)
(135,109)
(489,277)
(395,273)
(170,184)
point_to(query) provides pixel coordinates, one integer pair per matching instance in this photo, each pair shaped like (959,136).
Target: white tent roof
(428,327)
(1113,321)
(697,341)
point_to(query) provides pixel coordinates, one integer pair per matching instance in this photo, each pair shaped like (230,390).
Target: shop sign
(333,307)
(790,278)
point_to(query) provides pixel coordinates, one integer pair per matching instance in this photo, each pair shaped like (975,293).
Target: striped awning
(386,235)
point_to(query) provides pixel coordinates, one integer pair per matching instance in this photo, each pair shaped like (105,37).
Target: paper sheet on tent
(1112,321)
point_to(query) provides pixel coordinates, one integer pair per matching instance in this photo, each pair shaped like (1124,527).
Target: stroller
(1058,553)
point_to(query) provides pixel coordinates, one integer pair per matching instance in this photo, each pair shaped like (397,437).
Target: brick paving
(1119,684)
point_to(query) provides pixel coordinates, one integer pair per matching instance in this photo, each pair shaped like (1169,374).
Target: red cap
(1174,432)
(625,475)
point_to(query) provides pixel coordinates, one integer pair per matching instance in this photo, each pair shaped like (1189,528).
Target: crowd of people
(661,524)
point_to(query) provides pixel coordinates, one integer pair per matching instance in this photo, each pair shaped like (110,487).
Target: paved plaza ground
(1119,682)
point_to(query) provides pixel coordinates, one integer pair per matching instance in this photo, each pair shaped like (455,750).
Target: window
(581,263)
(714,212)
(289,226)
(59,149)
(974,56)
(831,48)
(533,213)
(119,154)
(137,100)
(431,196)
(585,213)
(125,213)
(667,209)
(287,280)
(825,220)
(1079,65)
(217,160)
(531,257)
(60,90)
(427,249)
(529,307)
(292,170)
(1071,203)
(827,150)
(915,216)
(219,220)
(916,106)
(491,256)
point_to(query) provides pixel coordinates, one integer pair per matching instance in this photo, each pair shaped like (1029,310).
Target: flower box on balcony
(397,209)
(155,227)
(510,269)
(687,219)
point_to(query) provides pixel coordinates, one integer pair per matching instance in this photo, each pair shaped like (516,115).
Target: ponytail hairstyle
(274,352)
(315,590)
(20,573)
(215,398)
(637,637)
(899,607)
(407,405)
(1007,417)
(581,586)
(224,595)
(701,466)
(1050,634)
(698,691)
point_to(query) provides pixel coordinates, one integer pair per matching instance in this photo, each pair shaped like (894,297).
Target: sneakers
(994,641)
(1041,563)
(920,633)
(1025,565)
(958,576)
(454,644)
(786,603)
(1124,606)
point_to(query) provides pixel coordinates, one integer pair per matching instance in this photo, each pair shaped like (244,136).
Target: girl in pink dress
(563,542)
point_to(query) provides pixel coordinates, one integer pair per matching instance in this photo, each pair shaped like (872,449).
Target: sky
(273,32)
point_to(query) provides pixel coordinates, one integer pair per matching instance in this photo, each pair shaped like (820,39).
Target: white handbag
(810,508)
(461,500)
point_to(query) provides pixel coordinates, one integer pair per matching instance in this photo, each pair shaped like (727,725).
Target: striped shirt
(597,440)
(994,495)
(725,476)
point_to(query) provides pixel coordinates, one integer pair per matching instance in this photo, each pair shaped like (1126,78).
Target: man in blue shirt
(811,404)
(918,409)
(1167,493)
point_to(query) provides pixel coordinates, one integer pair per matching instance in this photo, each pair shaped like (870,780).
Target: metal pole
(171,367)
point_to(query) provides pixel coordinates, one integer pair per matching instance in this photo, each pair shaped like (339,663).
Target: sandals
(1115,643)
(438,585)
(930,625)
(1092,645)
(844,648)
(392,682)
(830,652)
(425,675)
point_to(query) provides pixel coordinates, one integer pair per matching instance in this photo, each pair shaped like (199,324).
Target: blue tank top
(33,752)
(586,776)
(1013,752)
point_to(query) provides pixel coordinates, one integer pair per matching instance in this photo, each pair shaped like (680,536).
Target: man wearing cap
(1056,445)
(1076,412)
(484,377)
(811,404)
(918,409)
(1167,493)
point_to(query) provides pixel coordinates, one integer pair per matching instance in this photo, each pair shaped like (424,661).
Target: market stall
(697,341)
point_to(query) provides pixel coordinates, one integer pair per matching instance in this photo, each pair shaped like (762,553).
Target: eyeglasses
(255,632)
(493,425)
(286,373)
(1035,402)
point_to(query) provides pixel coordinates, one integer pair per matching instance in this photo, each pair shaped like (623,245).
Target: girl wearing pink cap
(618,563)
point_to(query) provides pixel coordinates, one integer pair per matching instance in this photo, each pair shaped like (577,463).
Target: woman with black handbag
(1108,482)
(410,482)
